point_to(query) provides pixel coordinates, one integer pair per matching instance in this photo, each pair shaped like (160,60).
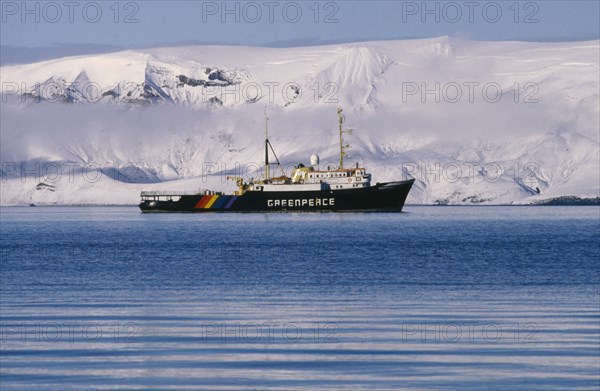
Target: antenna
(343,147)
(266,145)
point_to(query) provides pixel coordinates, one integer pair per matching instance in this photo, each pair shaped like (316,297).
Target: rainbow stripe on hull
(215,202)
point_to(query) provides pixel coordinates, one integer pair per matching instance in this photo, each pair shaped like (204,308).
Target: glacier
(474,122)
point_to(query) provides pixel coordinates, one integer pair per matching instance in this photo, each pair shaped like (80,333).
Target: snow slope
(473,122)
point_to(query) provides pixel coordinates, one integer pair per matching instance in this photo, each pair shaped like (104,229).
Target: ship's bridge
(346,178)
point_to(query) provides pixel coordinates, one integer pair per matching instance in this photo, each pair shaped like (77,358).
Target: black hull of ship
(388,197)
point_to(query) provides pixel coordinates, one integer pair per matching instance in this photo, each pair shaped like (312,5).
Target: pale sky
(143,23)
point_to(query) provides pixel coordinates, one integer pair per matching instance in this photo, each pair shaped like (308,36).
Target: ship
(308,189)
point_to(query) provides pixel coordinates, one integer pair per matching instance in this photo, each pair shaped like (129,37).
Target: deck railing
(171,193)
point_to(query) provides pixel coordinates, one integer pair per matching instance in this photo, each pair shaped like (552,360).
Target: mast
(266,145)
(342,132)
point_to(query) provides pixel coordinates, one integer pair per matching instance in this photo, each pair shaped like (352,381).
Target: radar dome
(314,160)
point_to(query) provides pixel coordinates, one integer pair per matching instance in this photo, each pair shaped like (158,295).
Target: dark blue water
(435,298)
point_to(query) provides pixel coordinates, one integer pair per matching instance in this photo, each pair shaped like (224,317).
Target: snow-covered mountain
(473,122)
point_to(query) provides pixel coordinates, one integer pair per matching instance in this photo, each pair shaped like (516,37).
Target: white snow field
(473,122)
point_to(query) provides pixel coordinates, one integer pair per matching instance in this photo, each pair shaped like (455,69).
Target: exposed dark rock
(113,94)
(214,101)
(129,174)
(569,201)
(45,186)
(215,79)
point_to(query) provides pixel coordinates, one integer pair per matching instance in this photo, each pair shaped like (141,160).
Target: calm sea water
(434,298)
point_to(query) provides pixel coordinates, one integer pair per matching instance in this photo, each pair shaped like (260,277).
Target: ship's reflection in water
(438,297)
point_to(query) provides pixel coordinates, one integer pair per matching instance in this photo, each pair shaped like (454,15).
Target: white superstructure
(310,178)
